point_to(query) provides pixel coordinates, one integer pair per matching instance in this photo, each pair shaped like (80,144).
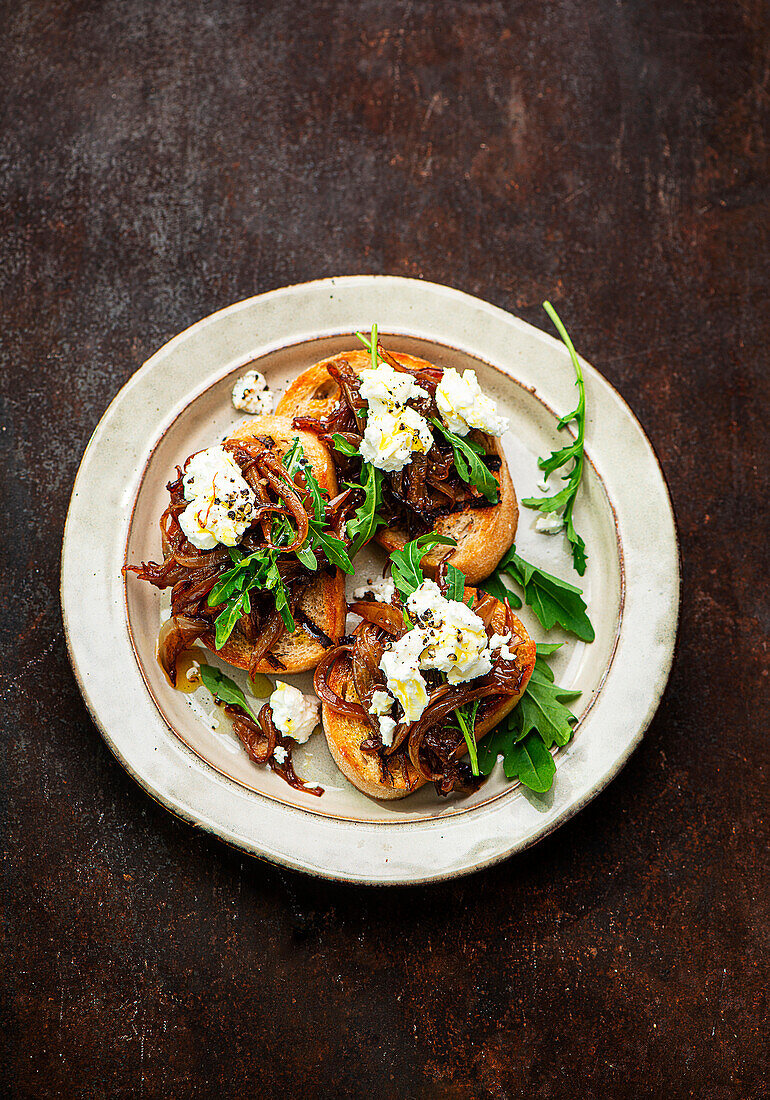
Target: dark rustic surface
(163,159)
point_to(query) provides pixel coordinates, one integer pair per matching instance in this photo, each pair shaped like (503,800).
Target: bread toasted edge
(323,601)
(344,734)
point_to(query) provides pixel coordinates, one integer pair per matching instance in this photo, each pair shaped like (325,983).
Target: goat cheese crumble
(382,590)
(280,754)
(221,503)
(252,394)
(500,641)
(387,728)
(394,431)
(447,637)
(381,705)
(549,524)
(294,714)
(392,387)
(463,405)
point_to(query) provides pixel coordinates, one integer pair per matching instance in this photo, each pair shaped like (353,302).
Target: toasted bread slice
(323,602)
(483,535)
(344,735)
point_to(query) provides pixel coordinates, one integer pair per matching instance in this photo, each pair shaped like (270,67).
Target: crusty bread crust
(483,535)
(344,735)
(324,600)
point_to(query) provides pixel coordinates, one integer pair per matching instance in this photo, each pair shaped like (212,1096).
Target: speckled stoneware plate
(179,402)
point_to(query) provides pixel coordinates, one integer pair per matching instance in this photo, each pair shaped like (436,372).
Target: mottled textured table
(162,159)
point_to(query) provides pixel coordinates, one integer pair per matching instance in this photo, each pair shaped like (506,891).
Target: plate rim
(347,284)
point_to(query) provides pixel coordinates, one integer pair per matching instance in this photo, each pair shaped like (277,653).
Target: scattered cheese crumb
(252,394)
(549,524)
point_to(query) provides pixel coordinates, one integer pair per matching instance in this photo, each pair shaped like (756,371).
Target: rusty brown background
(162,159)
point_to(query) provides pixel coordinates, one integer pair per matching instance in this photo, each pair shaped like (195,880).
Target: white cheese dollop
(447,637)
(394,431)
(294,714)
(252,394)
(221,502)
(401,666)
(381,705)
(463,405)
(381,702)
(387,727)
(382,590)
(393,435)
(392,387)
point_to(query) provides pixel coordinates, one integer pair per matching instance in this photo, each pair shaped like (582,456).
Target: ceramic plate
(177,746)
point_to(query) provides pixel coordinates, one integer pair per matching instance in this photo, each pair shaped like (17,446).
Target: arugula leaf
(455,584)
(564,501)
(545,649)
(553,600)
(224,688)
(333,548)
(283,529)
(274,583)
(314,489)
(229,583)
(307,557)
(317,541)
(257,569)
(294,458)
(542,709)
(469,466)
(232,590)
(343,446)
(495,587)
(366,520)
(406,570)
(531,763)
(466,717)
(226,620)
(539,721)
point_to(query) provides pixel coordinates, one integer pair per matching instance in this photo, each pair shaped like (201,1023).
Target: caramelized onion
(326,693)
(272,630)
(260,739)
(367,677)
(430,375)
(384,615)
(194,585)
(485,606)
(176,634)
(282,484)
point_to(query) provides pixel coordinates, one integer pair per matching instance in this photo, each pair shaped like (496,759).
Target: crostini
(422,680)
(432,436)
(253,540)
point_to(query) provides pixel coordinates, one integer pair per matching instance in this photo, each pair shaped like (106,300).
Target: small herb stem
(566,338)
(469,733)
